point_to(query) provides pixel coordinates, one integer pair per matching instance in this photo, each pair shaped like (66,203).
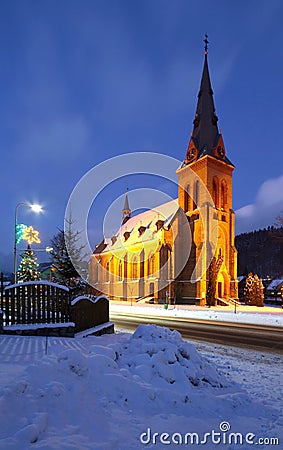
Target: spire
(126,212)
(205,131)
(205,137)
(126,203)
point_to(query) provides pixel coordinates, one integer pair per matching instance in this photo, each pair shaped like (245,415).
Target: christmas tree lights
(28,268)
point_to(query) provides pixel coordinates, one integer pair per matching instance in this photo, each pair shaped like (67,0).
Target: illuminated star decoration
(31,235)
(20,231)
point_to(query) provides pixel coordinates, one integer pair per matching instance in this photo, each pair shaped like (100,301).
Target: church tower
(126,212)
(206,157)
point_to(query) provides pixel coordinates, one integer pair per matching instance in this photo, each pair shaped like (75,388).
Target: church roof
(142,228)
(274,285)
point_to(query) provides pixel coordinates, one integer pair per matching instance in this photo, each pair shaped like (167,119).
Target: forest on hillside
(261,252)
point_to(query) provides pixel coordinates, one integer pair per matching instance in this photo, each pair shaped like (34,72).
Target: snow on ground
(116,391)
(267,315)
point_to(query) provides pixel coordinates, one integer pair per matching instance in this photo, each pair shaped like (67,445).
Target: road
(227,333)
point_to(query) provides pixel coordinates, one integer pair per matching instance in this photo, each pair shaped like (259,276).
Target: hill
(261,252)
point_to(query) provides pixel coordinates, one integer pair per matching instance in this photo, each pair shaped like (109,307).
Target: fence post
(70,309)
(2,290)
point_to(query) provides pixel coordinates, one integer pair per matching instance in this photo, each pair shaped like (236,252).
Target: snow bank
(107,396)
(161,357)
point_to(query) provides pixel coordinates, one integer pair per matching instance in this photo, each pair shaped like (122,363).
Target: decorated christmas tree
(28,268)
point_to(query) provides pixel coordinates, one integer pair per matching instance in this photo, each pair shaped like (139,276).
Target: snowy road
(244,335)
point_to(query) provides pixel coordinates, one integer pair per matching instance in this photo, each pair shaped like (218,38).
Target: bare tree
(67,253)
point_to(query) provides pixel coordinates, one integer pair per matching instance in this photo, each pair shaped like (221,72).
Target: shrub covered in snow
(158,355)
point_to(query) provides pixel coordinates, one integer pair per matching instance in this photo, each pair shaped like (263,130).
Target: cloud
(267,206)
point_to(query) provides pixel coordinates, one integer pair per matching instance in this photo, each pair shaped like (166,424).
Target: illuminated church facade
(167,253)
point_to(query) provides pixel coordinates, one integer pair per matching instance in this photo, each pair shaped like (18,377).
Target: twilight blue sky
(86,80)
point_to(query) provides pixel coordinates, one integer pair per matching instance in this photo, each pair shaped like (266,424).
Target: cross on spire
(206,42)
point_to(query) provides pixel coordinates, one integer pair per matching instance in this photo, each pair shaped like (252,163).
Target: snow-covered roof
(147,219)
(241,277)
(275,284)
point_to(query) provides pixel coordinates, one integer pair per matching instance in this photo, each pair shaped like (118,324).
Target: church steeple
(126,212)
(205,138)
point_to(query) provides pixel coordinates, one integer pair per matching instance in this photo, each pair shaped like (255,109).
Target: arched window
(223,195)
(187,203)
(196,197)
(134,268)
(120,269)
(107,275)
(150,265)
(215,192)
(126,266)
(95,271)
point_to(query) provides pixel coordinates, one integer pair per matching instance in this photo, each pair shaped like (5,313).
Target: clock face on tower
(192,153)
(220,151)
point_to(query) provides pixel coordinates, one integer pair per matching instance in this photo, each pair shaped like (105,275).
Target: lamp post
(34,208)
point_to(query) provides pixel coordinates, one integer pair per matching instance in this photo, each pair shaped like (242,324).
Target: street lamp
(35,208)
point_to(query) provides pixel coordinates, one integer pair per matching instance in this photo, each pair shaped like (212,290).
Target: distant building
(274,289)
(145,258)
(47,271)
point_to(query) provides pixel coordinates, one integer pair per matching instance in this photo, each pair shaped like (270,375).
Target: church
(181,250)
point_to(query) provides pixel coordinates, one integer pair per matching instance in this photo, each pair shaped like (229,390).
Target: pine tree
(248,289)
(67,255)
(253,291)
(259,288)
(28,268)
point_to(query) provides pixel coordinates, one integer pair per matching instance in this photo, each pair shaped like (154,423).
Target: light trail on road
(227,333)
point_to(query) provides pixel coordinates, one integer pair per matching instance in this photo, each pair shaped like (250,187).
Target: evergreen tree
(253,291)
(249,289)
(28,268)
(67,255)
(259,288)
